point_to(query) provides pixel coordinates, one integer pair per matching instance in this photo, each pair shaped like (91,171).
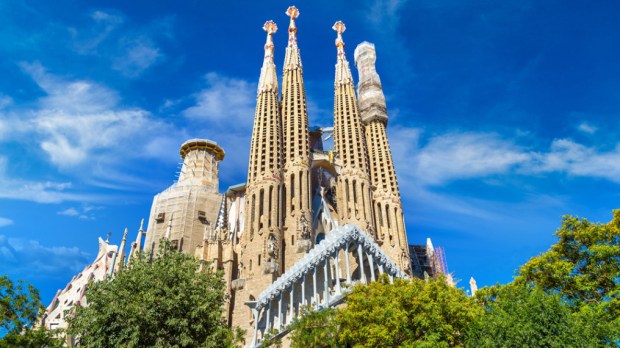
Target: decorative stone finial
(270,27)
(339,27)
(292,12)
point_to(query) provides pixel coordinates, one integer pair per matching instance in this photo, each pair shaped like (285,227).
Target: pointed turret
(297,195)
(268,80)
(121,262)
(387,205)
(353,185)
(136,247)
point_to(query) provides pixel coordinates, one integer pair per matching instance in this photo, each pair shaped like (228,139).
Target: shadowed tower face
(387,205)
(354,198)
(261,243)
(296,193)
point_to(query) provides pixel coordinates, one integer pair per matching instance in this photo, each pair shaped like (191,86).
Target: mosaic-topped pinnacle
(339,27)
(292,12)
(270,27)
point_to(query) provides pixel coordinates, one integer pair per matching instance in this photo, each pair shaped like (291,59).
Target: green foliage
(20,306)
(318,329)
(583,267)
(164,303)
(408,313)
(526,316)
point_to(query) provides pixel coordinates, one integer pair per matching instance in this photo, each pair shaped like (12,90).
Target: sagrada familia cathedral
(309,223)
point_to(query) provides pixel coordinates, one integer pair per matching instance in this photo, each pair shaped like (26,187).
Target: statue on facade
(272,247)
(304,227)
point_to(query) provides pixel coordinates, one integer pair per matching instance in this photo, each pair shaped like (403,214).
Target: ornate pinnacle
(339,27)
(292,12)
(270,27)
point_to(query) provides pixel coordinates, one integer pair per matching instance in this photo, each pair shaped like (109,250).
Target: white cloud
(21,256)
(456,156)
(69,212)
(87,40)
(36,191)
(225,102)
(587,128)
(383,17)
(5,222)
(138,55)
(451,156)
(80,122)
(83,213)
(5,101)
(223,111)
(579,160)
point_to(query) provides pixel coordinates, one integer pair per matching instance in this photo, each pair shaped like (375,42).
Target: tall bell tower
(387,205)
(354,200)
(296,193)
(260,246)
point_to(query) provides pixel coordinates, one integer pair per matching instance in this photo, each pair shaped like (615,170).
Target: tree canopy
(20,307)
(520,315)
(583,268)
(408,313)
(166,302)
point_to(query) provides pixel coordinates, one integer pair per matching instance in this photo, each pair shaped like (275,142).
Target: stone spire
(121,263)
(387,205)
(296,185)
(136,247)
(268,80)
(260,245)
(353,185)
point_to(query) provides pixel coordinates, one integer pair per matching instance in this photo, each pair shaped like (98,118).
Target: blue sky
(503,116)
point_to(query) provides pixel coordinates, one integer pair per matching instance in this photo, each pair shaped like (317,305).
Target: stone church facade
(308,222)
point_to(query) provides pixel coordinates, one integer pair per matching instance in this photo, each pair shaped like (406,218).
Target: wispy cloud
(69,212)
(224,112)
(82,124)
(587,128)
(138,55)
(83,213)
(225,102)
(37,191)
(5,222)
(383,17)
(130,51)
(20,256)
(454,156)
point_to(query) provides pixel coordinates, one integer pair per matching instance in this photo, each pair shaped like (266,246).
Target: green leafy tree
(20,307)
(166,302)
(583,267)
(526,316)
(414,313)
(317,329)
